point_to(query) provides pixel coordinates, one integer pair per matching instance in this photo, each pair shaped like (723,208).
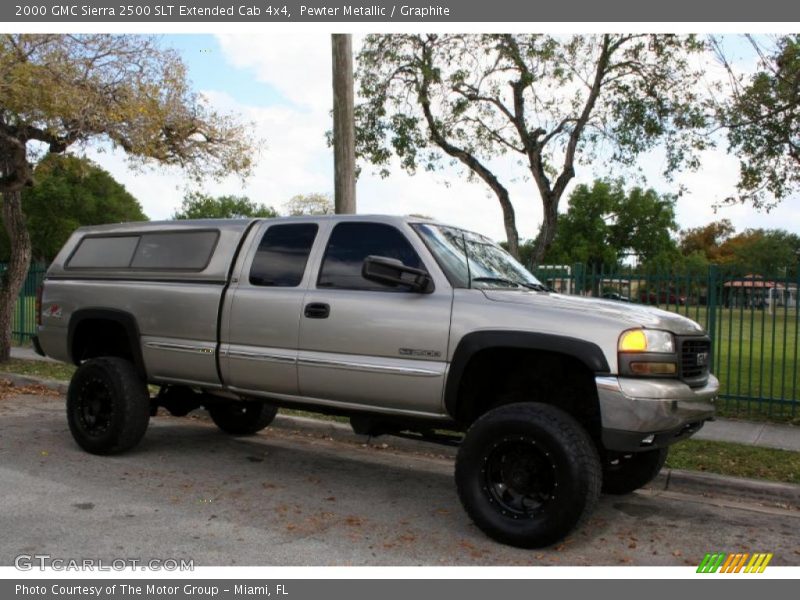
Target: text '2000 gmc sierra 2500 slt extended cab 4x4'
(402,324)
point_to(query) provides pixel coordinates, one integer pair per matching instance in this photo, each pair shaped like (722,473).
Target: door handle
(317,310)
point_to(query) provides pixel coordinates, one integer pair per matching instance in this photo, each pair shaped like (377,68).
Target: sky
(282,84)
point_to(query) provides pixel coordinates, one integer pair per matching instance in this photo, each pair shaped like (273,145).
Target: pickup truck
(405,325)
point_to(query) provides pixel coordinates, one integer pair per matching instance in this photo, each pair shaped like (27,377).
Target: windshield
(489,266)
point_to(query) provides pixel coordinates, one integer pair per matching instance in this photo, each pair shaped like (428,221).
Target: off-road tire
(108,406)
(527,474)
(625,473)
(242,418)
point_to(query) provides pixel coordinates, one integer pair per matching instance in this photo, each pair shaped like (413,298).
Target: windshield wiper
(531,286)
(539,287)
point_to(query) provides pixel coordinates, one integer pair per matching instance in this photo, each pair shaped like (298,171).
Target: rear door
(366,343)
(263,307)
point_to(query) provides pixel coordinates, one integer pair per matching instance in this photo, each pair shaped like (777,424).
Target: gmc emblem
(702,359)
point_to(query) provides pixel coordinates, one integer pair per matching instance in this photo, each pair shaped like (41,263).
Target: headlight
(646,340)
(647,353)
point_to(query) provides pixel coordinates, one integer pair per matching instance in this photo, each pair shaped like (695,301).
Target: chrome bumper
(641,414)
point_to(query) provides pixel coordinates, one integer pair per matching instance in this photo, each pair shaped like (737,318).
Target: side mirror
(390,271)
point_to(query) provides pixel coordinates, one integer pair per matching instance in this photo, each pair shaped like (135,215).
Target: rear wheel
(108,406)
(242,418)
(625,473)
(527,474)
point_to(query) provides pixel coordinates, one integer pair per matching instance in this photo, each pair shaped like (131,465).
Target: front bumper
(643,414)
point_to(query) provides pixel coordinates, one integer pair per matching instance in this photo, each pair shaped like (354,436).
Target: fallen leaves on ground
(8,388)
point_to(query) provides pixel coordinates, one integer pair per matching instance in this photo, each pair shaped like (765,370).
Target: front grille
(695,360)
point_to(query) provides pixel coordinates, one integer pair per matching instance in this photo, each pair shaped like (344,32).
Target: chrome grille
(695,360)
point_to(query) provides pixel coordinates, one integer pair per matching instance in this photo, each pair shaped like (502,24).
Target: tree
(758,251)
(706,240)
(61,90)
(762,119)
(551,102)
(70,192)
(310,204)
(767,252)
(201,206)
(604,224)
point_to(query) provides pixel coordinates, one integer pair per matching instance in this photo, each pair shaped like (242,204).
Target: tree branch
(466,157)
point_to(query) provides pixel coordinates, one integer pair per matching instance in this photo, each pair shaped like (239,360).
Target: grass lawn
(736,459)
(38,368)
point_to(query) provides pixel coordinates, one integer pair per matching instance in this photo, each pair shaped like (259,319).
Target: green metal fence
(752,319)
(23,326)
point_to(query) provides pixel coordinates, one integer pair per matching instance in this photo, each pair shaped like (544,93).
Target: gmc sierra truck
(405,325)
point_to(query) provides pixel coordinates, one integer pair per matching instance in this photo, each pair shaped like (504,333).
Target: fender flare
(588,353)
(125,319)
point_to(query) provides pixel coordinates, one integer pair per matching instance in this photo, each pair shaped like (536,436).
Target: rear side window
(281,258)
(351,243)
(173,250)
(104,252)
(189,250)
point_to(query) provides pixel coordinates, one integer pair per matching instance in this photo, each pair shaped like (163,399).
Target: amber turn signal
(653,368)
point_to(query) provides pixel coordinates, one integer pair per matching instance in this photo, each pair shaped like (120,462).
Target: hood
(627,314)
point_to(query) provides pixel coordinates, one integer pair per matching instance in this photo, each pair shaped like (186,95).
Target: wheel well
(99,336)
(498,376)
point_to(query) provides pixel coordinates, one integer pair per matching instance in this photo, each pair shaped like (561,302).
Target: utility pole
(344,153)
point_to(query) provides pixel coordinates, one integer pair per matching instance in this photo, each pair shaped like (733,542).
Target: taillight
(39,291)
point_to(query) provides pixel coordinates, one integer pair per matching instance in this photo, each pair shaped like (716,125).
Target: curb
(23,380)
(772,493)
(785,495)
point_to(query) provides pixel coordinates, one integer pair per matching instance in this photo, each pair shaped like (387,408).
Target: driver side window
(351,243)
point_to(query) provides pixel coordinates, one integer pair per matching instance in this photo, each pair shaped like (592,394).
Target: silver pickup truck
(405,325)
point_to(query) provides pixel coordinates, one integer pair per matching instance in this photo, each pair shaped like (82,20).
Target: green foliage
(763,122)
(605,224)
(196,205)
(70,192)
(762,251)
(694,264)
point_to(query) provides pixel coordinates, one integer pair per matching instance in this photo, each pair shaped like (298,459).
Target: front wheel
(242,418)
(625,473)
(108,407)
(527,473)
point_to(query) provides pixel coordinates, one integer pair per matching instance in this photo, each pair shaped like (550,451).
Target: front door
(366,343)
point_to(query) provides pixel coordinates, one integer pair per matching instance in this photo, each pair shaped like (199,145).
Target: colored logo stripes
(734,563)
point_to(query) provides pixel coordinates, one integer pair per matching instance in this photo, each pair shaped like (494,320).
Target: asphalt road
(282,498)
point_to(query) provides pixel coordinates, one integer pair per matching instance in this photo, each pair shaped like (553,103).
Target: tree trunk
(510,224)
(14,277)
(547,232)
(344,157)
